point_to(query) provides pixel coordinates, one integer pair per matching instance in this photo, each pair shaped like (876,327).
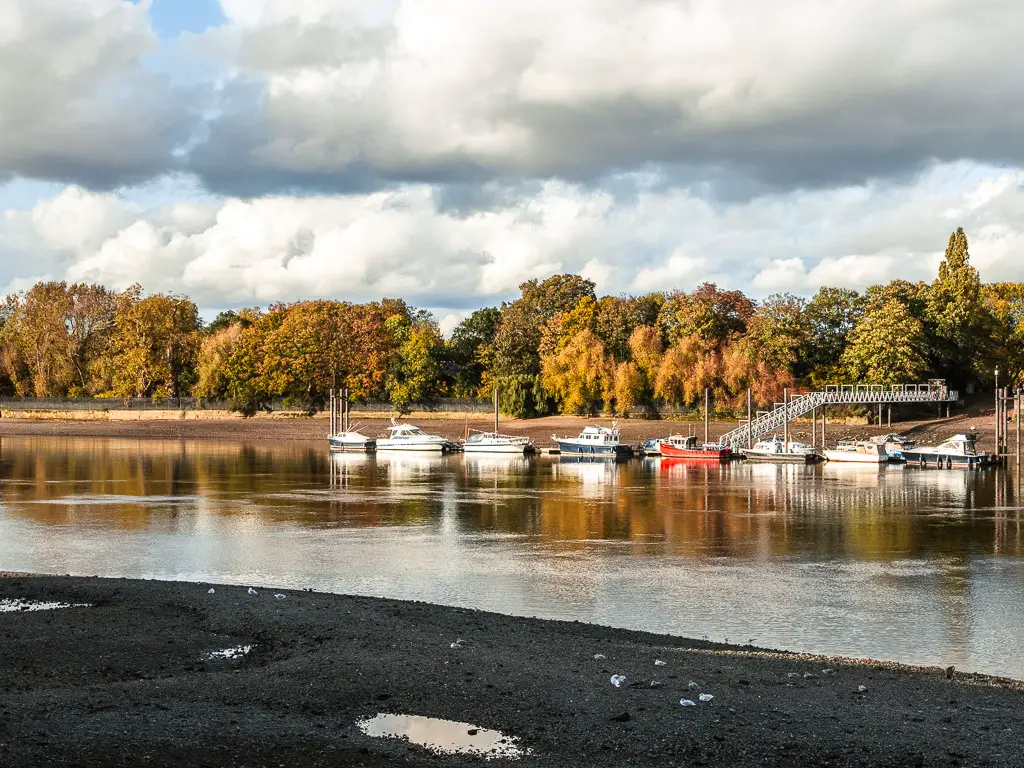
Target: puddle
(230,653)
(444,736)
(22,606)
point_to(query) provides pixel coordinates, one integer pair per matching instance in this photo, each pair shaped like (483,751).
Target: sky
(243,152)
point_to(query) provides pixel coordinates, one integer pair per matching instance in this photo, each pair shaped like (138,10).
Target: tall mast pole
(495,409)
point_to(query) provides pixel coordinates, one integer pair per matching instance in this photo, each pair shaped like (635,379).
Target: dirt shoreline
(540,430)
(124,682)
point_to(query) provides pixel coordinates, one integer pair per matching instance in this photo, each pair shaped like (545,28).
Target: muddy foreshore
(455,427)
(127,682)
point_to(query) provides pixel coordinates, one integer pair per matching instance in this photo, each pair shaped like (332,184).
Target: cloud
(76,101)
(749,98)
(405,243)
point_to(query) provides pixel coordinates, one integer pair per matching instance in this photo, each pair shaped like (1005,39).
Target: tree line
(557,348)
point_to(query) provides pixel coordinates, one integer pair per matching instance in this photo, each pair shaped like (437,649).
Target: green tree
(830,316)
(470,351)
(886,347)
(780,330)
(415,369)
(954,309)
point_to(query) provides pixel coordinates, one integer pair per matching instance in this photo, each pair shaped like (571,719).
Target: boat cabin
(405,430)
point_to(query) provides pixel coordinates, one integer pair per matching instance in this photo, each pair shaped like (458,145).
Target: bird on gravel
(253,591)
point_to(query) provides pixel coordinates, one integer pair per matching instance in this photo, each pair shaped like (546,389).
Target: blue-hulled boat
(594,441)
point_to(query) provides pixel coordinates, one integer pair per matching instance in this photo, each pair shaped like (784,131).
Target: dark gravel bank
(125,683)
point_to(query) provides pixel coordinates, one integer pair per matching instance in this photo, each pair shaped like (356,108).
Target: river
(918,566)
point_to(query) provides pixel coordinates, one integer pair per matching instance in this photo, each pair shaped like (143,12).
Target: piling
(750,418)
(785,416)
(707,415)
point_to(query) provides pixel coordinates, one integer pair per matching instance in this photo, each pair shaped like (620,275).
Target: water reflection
(921,565)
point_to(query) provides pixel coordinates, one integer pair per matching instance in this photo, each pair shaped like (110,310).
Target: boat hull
(575,449)
(852,457)
(341,445)
(671,452)
(505,449)
(410,447)
(780,458)
(944,460)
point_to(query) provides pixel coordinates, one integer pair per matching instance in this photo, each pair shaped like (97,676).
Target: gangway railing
(835,394)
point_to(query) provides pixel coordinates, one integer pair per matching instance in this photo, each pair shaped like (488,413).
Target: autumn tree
(1004,329)
(709,314)
(154,345)
(617,317)
(54,336)
(213,379)
(579,376)
(630,387)
(564,326)
(744,367)
(686,370)
(886,347)
(516,357)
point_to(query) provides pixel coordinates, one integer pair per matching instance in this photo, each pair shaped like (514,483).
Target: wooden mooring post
(750,417)
(785,424)
(707,415)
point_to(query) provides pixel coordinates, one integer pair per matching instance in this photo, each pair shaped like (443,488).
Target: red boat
(685,447)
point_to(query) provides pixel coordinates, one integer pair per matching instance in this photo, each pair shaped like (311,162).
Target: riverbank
(129,681)
(455,427)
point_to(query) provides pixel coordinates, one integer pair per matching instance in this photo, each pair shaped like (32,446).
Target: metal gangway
(801,403)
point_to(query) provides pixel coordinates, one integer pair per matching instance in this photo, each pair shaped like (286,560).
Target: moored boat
(958,451)
(650,447)
(894,443)
(686,447)
(858,451)
(406,437)
(351,440)
(775,449)
(495,442)
(594,441)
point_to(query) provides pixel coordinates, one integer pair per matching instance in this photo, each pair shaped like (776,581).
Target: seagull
(253,591)
(211,591)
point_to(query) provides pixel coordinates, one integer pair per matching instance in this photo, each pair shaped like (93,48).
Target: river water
(919,566)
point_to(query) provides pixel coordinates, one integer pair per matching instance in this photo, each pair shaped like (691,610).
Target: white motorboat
(775,449)
(406,437)
(859,451)
(594,441)
(495,442)
(960,450)
(894,443)
(351,440)
(342,436)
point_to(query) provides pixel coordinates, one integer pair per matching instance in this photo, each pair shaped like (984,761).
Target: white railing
(835,394)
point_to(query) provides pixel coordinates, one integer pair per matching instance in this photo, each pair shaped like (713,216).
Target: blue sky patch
(172,17)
